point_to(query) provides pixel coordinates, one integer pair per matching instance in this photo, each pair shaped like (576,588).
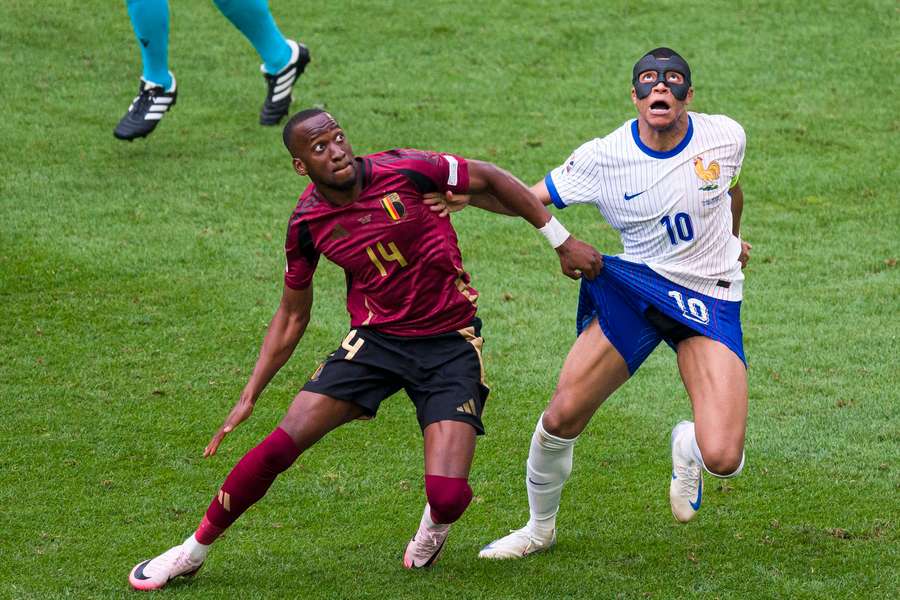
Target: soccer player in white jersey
(668,181)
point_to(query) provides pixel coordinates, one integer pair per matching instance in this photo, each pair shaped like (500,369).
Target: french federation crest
(393,206)
(709,174)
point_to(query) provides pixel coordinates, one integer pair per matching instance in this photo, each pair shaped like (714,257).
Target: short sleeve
(737,158)
(435,171)
(302,257)
(577,180)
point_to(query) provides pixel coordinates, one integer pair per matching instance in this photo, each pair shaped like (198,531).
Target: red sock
(248,481)
(448,497)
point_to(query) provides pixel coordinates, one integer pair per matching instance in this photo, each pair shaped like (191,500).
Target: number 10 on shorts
(693,309)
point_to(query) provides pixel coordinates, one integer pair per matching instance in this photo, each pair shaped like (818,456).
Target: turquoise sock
(150,19)
(253,19)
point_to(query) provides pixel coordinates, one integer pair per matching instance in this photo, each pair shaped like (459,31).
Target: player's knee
(448,497)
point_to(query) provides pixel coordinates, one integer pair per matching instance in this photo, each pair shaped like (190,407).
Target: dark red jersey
(402,262)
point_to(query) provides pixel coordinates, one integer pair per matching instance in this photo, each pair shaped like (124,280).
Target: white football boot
(519,543)
(426,546)
(155,573)
(686,486)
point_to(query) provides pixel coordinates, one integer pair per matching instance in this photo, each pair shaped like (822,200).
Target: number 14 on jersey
(389,254)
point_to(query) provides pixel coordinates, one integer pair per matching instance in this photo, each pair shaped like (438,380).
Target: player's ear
(300,167)
(690,95)
(634,97)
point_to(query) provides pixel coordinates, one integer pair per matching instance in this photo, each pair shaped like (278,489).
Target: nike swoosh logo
(629,197)
(139,572)
(532,481)
(696,505)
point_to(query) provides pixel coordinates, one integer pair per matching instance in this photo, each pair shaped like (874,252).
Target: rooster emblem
(710,173)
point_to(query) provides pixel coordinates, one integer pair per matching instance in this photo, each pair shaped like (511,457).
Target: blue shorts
(624,291)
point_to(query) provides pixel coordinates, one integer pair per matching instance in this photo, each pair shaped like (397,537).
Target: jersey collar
(668,153)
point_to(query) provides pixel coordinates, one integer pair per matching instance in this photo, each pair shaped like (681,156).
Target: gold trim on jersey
(464,288)
(477,342)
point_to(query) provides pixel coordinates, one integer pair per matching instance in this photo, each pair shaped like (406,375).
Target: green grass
(136,281)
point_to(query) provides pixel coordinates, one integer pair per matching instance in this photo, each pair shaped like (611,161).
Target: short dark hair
(295,120)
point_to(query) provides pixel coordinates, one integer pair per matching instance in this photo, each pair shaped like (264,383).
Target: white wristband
(555,233)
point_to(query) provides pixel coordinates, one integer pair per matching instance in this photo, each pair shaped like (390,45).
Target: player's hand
(445,203)
(577,258)
(744,257)
(238,415)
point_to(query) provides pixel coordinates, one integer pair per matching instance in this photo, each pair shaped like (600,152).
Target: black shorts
(443,374)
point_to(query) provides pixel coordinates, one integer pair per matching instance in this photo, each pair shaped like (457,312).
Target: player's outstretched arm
(447,202)
(575,257)
(284,333)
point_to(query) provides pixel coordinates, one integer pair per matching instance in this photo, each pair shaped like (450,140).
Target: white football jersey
(671,208)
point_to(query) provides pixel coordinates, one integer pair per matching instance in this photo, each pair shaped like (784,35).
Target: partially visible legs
(593,370)
(157,92)
(308,419)
(255,21)
(449,449)
(716,381)
(150,20)
(283,60)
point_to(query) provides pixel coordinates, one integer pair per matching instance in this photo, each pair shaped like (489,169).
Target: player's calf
(723,463)
(688,464)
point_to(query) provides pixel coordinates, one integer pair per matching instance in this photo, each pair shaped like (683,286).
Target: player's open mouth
(660,107)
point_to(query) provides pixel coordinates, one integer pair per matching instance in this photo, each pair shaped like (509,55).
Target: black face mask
(661,66)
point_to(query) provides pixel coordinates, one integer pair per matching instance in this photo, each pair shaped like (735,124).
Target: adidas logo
(338,232)
(158,107)
(468,408)
(284,83)
(224,499)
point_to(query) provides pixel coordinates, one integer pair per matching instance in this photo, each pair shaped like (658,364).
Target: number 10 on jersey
(682,229)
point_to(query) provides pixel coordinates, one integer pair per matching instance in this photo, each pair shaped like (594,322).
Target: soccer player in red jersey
(412,319)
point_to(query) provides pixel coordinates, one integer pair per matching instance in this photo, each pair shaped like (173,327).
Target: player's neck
(339,197)
(663,140)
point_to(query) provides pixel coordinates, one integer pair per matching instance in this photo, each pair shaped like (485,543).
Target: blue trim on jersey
(635,133)
(554,195)
(623,291)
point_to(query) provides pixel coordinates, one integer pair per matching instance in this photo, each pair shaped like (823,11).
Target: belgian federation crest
(393,206)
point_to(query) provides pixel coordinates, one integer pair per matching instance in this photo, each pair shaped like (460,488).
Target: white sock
(197,550)
(687,444)
(548,467)
(428,523)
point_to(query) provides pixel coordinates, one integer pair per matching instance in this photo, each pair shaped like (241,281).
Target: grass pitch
(136,281)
